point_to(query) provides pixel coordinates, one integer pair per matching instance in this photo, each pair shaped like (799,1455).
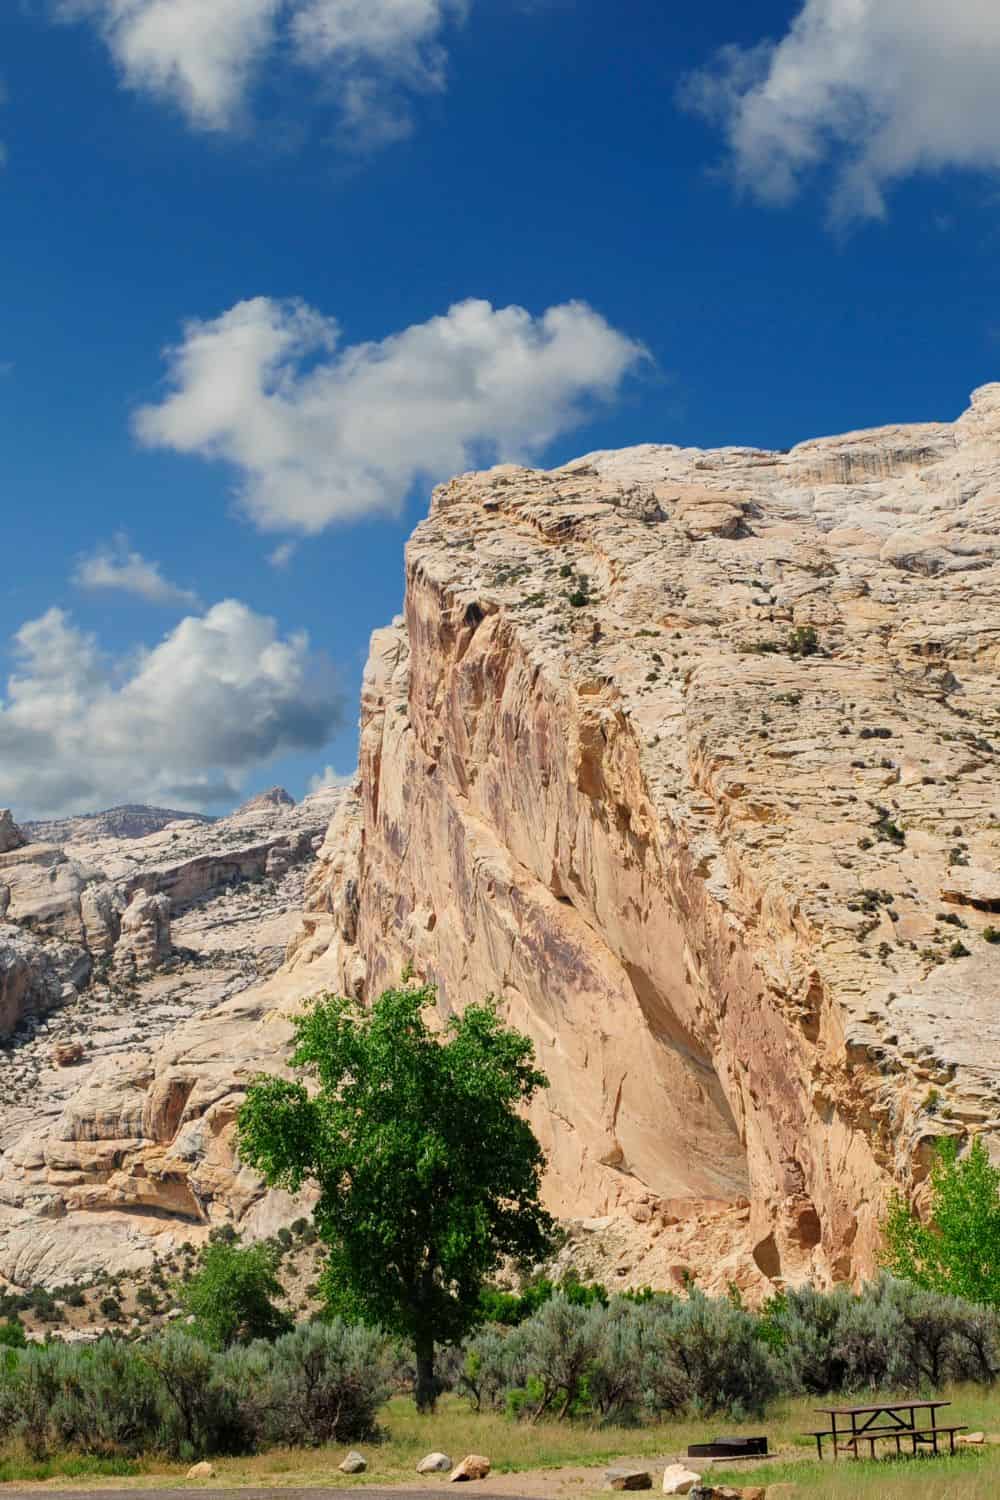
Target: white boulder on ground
(204,1470)
(473,1466)
(354,1463)
(434,1463)
(678,1479)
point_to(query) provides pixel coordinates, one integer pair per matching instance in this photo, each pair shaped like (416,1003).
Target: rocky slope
(689,757)
(112,945)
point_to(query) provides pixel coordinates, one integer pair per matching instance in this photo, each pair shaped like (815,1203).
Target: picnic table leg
(833,1425)
(899,1451)
(871,1445)
(935,1438)
(819,1447)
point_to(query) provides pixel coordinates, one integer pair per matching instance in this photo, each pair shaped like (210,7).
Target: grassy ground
(559,1460)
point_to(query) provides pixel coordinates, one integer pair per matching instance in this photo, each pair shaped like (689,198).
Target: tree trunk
(426,1387)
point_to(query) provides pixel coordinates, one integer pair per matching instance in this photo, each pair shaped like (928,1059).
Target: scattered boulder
(473,1466)
(703,1491)
(678,1479)
(354,1463)
(621,1478)
(204,1470)
(68,1054)
(434,1463)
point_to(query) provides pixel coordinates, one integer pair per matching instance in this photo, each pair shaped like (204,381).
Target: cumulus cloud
(207,56)
(873,90)
(321,433)
(183,722)
(329,778)
(116,566)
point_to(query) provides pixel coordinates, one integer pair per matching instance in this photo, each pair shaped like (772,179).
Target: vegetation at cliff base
(428,1175)
(232,1296)
(957,1250)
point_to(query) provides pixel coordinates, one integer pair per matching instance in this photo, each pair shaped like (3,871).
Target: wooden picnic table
(894,1421)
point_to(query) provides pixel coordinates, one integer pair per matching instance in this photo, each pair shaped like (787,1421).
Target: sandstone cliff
(689,757)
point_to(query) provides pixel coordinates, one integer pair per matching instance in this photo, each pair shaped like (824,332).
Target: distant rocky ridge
(690,757)
(133,821)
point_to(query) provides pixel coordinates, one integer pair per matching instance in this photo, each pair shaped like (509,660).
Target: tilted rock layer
(688,757)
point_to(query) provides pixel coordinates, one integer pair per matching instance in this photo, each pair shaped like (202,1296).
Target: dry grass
(536,1452)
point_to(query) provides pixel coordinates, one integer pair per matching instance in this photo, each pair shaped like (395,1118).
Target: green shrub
(232,1295)
(664,1354)
(12,1334)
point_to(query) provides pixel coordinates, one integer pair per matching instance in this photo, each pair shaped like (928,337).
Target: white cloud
(876,90)
(282,554)
(116,566)
(183,723)
(201,54)
(328,778)
(208,55)
(320,433)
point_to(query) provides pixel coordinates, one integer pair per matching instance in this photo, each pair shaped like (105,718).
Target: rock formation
(144,943)
(11,837)
(103,983)
(689,758)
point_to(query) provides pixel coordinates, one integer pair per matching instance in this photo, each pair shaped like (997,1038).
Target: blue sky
(723,224)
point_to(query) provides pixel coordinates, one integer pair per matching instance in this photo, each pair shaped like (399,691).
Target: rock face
(144,943)
(135,1017)
(689,757)
(111,895)
(11,837)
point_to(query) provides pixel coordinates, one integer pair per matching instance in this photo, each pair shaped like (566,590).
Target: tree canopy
(232,1296)
(958,1249)
(428,1175)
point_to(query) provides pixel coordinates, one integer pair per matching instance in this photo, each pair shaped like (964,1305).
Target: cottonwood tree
(958,1249)
(428,1174)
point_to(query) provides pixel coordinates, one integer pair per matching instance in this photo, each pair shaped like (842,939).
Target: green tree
(12,1334)
(232,1296)
(958,1249)
(428,1176)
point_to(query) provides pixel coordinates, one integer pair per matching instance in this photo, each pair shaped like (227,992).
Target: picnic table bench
(891,1421)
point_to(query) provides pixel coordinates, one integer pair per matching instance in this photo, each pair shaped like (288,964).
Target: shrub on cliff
(428,1174)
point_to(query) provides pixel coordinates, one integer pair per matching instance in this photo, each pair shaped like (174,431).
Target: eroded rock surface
(116,1088)
(689,758)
